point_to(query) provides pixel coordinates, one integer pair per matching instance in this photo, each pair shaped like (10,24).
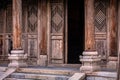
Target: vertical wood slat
(89,25)
(113,28)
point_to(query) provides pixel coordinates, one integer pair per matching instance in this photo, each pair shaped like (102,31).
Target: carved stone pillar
(113,35)
(17,54)
(90,57)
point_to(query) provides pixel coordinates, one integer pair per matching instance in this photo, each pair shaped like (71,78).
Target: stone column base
(17,58)
(90,61)
(112,63)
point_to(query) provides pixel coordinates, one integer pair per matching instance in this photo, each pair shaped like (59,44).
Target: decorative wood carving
(100,23)
(32,16)
(30,30)
(100,16)
(57,17)
(57,32)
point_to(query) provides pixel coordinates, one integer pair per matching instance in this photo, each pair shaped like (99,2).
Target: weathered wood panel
(101,26)
(113,28)
(56,53)
(30,30)
(43,27)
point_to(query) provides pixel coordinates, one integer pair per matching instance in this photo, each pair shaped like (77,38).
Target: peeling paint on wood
(17,23)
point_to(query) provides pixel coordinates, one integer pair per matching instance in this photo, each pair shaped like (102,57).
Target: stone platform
(41,73)
(57,73)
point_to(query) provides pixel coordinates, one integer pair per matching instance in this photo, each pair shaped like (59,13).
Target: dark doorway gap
(75,30)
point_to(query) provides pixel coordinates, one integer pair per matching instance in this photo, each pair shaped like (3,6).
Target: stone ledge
(103,74)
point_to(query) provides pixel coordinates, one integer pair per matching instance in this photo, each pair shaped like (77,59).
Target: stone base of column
(90,61)
(112,63)
(17,59)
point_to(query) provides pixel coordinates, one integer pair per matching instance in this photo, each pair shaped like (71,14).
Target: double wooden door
(29,30)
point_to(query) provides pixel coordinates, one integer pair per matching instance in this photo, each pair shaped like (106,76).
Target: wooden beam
(89,25)
(17,23)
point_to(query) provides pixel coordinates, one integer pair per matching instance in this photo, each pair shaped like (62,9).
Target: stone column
(90,57)
(113,35)
(17,54)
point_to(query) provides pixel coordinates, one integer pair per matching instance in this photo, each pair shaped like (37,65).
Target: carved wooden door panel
(30,30)
(56,32)
(101,26)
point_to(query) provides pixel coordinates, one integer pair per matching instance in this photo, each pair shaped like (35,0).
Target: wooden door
(101,26)
(105,27)
(56,32)
(30,30)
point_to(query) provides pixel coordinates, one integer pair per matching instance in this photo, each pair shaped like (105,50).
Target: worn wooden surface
(17,23)
(89,25)
(113,28)
(43,27)
(56,32)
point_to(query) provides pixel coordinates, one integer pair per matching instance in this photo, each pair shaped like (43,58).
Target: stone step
(41,73)
(45,70)
(50,70)
(31,76)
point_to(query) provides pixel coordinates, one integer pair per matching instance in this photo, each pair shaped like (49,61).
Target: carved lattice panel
(100,26)
(56,32)
(32,16)
(100,16)
(57,21)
